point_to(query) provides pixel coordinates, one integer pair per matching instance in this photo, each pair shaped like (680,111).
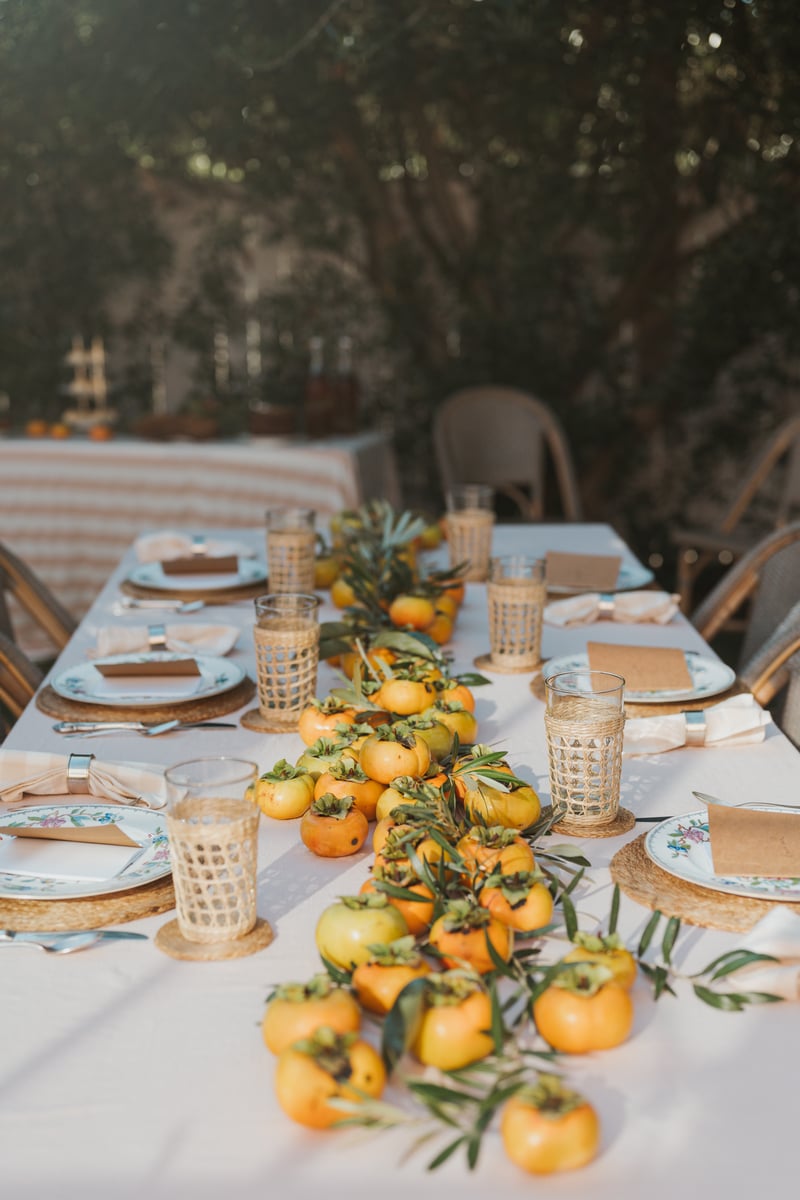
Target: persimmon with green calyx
(453,1029)
(404,694)
(491,848)
(317,757)
(405,891)
(296,1010)
(346,778)
(402,839)
(583,1009)
(333,827)
(548,1127)
(609,951)
(394,750)
(285,792)
(319,718)
(458,719)
(412,612)
(461,936)
(435,733)
(520,900)
(405,790)
(347,928)
(328,1065)
(380,980)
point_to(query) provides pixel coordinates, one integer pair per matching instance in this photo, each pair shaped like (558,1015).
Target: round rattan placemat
(640,878)
(658,710)
(171,941)
(188,710)
(485,662)
(88,912)
(246,591)
(622,822)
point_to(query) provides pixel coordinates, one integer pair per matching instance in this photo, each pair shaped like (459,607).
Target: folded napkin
(181,639)
(738,721)
(777,934)
(167,544)
(30,773)
(627,607)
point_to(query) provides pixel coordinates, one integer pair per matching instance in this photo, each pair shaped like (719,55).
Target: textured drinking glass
(516,596)
(291,549)
(584,723)
(470,522)
(213,841)
(287,654)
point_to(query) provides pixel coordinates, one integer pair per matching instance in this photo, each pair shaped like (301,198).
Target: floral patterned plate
(681,846)
(83,682)
(144,826)
(709,677)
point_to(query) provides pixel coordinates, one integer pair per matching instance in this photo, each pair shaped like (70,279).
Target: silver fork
(66,943)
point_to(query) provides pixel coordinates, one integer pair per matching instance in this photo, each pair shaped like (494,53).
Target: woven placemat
(622,822)
(658,710)
(640,878)
(170,939)
(88,912)
(246,591)
(485,662)
(188,710)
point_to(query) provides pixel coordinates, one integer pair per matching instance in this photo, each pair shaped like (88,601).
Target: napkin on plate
(627,607)
(30,773)
(167,544)
(181,639)
(737,721)
(778,934)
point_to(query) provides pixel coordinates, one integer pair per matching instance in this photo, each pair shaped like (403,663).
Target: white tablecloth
(70,509)
(124,1073)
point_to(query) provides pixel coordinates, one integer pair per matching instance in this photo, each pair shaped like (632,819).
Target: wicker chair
(19,679)
(502,437)
(19,581)
(698,548)
(773,674)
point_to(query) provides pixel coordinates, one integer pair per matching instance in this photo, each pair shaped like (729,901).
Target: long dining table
(126,1073)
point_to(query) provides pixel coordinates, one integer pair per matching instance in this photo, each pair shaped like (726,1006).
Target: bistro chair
(765,582)
(19,581)
(19,679)
(773,674)
(504,437)
(772,485)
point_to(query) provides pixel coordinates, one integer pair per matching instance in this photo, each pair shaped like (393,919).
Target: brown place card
(98,835)
(752,841)
(591,572)
(644,668)
(201,564)
(150,667)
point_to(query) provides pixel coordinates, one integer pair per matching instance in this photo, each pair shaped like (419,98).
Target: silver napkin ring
(695,728)
(78,772)
(199,544)
(157,637)
(605,604)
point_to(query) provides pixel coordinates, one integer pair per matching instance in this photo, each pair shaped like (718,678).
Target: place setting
(179,567)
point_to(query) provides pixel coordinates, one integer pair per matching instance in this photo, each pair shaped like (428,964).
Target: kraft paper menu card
(753,841)
(591,572)
(151,666)
(644,668)
(98,835)
(201,564)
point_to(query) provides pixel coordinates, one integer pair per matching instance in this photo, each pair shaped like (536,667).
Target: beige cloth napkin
(627,607)
(167,544)
(30,773)
(737,721)
(181,639)
(778,934)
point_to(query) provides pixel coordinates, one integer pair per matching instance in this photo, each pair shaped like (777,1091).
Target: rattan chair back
(19,581)
(503,437)
(19,678)
(773,674)
(766,580)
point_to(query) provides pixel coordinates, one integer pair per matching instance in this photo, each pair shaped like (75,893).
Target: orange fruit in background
(326,570)
(415,611)
(342,594)
(100,433)
(60,430)
(441,629)
(36,427)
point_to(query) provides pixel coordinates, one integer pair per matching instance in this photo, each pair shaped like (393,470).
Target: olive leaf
(402,1022)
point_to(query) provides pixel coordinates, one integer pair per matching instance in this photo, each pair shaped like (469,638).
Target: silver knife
(14,935)
(89,727)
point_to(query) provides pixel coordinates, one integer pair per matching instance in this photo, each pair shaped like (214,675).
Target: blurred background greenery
(596,202)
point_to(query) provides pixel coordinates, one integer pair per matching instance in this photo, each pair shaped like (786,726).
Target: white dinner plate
(144,826)
(84,683)
(681,846)
(709,678)
(151,575)
(631,576)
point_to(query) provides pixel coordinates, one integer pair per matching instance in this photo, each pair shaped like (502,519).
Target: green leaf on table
(443,1155)
(647,934)
(613,915)
(734,960)
(668,941)
(570,916)
(402,1022)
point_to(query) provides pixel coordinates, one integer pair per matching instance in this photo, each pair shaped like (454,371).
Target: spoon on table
(178,606)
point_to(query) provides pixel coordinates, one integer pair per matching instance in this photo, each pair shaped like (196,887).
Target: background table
(124,1073)
(70,509)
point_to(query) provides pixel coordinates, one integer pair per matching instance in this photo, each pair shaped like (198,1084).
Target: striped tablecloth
(70,509)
